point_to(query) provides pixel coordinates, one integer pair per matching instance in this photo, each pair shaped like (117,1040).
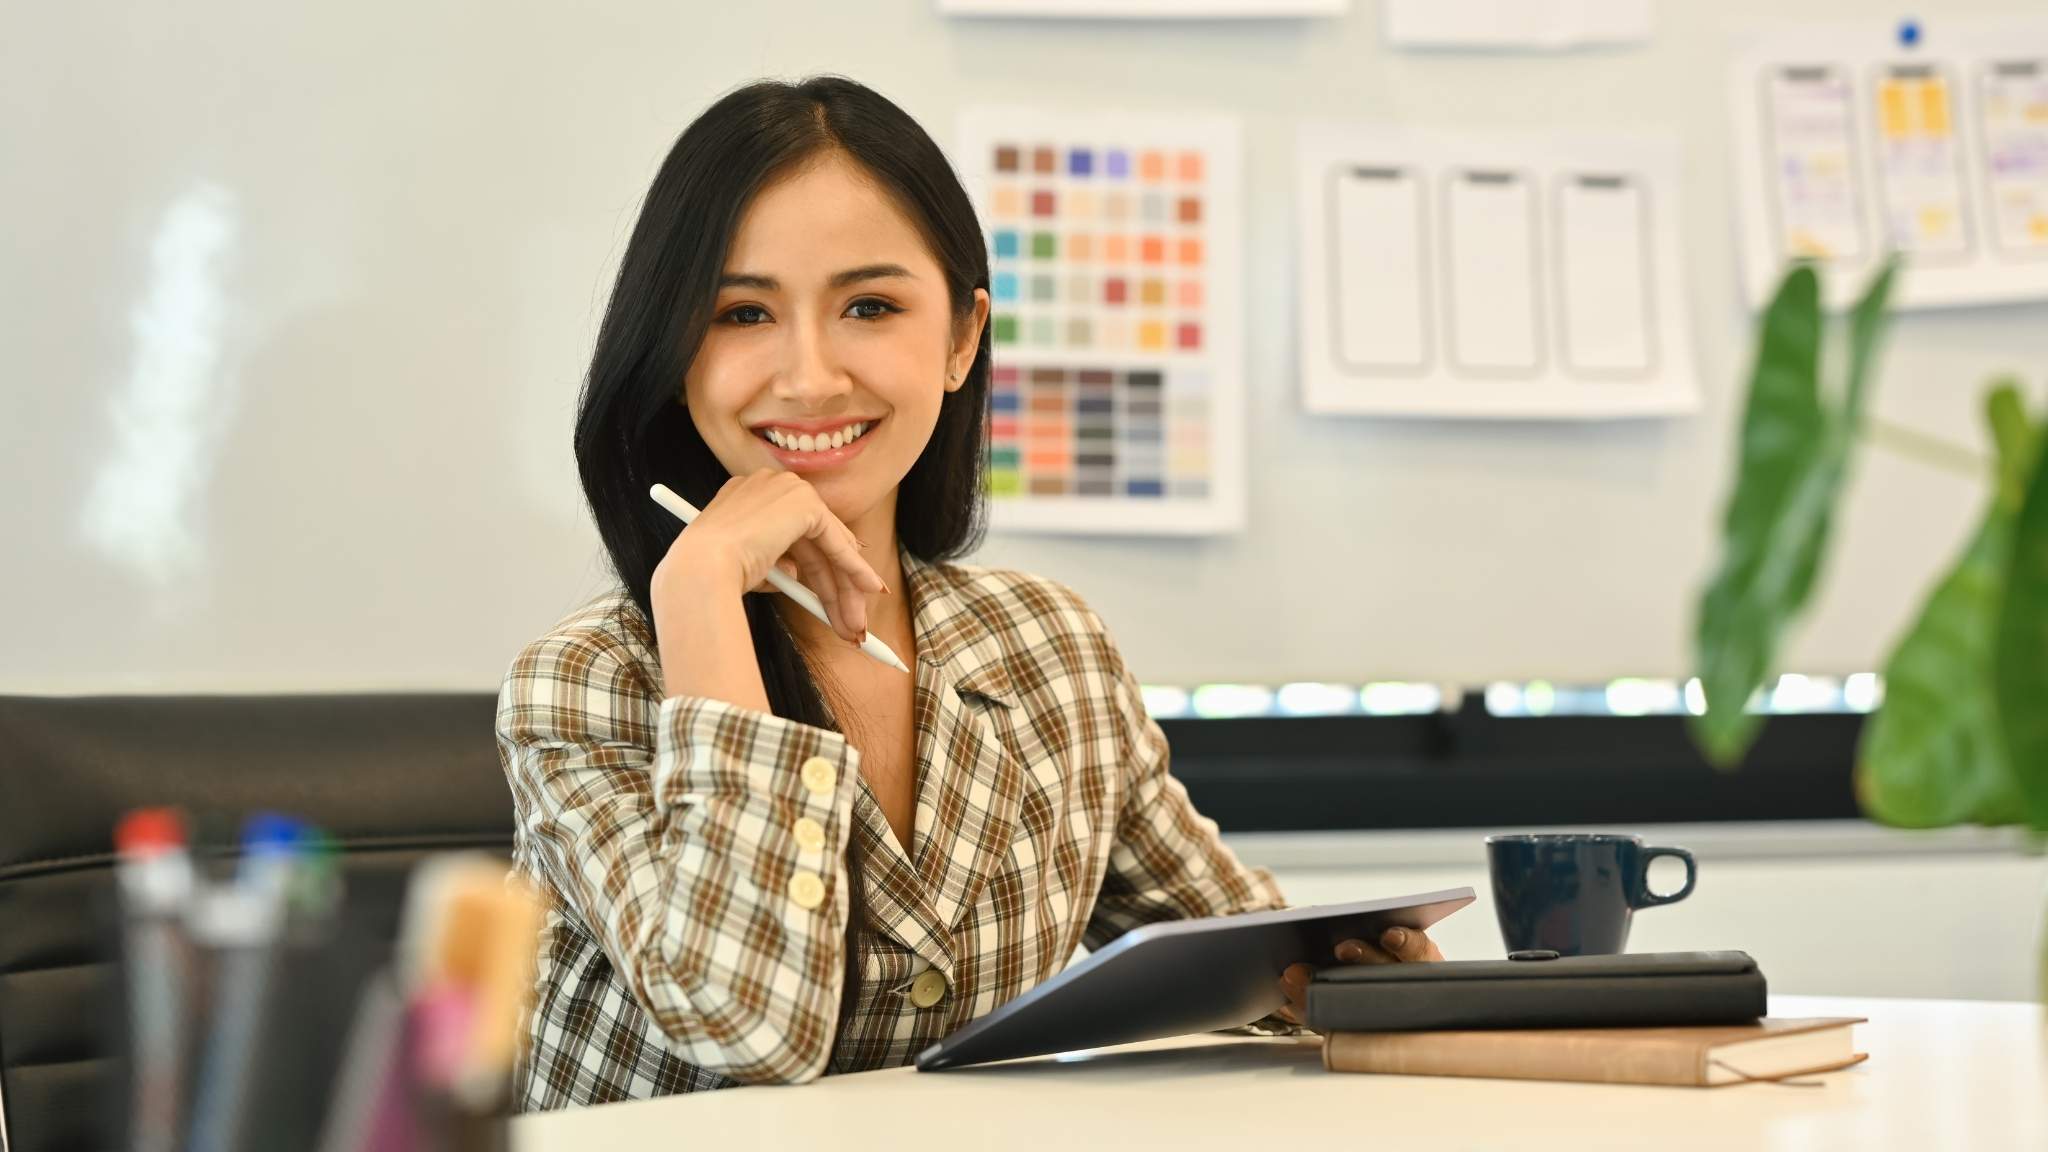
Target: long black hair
(632,430)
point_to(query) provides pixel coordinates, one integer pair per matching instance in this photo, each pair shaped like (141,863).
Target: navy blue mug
(1574,893)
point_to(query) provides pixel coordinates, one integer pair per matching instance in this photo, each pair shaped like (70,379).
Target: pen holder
(270,1091)
(333,1059)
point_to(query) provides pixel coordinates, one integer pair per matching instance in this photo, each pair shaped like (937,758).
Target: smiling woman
(768,856)
(832,312)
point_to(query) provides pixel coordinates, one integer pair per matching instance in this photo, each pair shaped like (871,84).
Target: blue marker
(1909,33)
(245,923)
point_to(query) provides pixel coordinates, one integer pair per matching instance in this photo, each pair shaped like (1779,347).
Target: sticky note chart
(1514,275)
(1853,141)
(1113,283)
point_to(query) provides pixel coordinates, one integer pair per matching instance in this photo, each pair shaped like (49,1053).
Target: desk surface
(1941,1074)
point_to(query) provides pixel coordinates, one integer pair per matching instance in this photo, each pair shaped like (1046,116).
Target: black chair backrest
(391,778)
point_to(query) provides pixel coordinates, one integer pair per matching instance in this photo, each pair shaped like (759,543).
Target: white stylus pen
(687,512)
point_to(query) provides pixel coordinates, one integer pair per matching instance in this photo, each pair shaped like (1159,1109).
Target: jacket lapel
(898,905)
(970,787)
(969,792)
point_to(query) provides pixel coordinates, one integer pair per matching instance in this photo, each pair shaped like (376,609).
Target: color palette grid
(1097,247)
(1117,396)
(1098,432)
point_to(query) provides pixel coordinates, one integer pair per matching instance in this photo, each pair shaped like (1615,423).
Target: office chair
(391,778)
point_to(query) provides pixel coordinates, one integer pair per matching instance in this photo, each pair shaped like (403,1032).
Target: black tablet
(1178,977)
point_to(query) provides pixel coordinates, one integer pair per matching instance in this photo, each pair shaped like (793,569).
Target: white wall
(296,297)
(1832,908)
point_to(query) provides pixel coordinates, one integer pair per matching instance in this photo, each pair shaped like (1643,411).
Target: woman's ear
(966,341)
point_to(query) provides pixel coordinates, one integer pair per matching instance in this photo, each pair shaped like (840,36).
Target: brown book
(1770,1049)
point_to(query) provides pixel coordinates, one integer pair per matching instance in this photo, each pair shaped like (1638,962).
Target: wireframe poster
(1929,141)
(2014,109)
(1518,275)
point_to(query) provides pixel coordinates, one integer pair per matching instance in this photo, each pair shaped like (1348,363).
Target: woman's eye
(747,315)
(870,309)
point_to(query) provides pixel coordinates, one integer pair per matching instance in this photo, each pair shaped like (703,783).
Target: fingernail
(1395,937)
(859,541)
(1350,950)
(885,590)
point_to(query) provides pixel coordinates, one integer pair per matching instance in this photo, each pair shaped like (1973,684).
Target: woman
(767,855)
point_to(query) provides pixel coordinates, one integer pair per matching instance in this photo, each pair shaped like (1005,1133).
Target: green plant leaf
(1795,452)
(2020,662)
(1934,754)
(1867,324)
(1776,523)
(2014,437)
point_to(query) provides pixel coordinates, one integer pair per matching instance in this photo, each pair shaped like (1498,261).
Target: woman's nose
(812,373)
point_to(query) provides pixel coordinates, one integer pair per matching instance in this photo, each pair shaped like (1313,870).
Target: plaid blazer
(692,851)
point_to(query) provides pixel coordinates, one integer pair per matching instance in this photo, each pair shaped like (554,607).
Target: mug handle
(1650,899)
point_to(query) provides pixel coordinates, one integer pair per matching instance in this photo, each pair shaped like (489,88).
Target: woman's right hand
(768,519)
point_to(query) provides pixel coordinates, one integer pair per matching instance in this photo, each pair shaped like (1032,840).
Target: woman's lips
(828,459)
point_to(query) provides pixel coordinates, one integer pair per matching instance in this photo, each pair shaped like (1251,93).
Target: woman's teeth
(824,443)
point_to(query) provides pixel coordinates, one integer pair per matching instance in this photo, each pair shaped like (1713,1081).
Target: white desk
(1942,1074)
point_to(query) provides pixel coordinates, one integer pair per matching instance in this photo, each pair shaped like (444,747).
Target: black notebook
(1650,989)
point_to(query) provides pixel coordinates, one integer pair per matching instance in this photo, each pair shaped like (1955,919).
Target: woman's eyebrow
(871,272)
(759,283)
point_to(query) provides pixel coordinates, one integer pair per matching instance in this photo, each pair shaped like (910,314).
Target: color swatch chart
(1850,145)
(1098,432)
(1097,249)
(1112,280)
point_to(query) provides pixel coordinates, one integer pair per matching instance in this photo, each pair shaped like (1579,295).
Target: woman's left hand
(1396,946)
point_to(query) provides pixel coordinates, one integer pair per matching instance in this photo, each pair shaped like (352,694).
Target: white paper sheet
(1378,232)
(1146,9)
(1920,162)
(1490,269)
(1809,112)
(1851,143)
(1511,24)
(2014,107)
(1520,275)
(1606,299)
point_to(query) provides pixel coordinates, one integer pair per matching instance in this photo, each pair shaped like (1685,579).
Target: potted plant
(1962,734)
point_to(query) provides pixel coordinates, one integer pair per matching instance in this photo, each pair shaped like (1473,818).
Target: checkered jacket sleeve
(1169,862)
(669,830)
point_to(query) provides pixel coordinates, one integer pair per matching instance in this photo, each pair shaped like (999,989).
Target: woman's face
(832,326)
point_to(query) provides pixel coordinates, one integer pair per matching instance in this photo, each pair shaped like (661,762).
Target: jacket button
(806,889)
(819,775)
(810,835)
(928,989)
